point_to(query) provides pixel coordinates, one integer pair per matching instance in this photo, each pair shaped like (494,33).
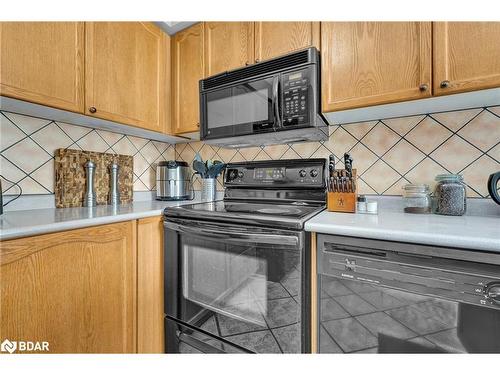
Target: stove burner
(279,211)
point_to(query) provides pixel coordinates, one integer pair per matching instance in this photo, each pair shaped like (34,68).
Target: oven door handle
(235,236)
(276,109)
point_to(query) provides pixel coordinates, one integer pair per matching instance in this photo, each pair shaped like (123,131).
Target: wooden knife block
(343,202)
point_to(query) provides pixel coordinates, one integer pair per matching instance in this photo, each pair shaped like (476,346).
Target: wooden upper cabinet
(273,39)
(42,62)
(228,45)
(74,289)
(466,56)
(126,68)
(369,63)
(188,68)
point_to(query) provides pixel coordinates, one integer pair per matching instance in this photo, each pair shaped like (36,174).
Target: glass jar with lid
(417,198)
(450,195)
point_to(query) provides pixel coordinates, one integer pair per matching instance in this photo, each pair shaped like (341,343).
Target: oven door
(241,109)
(241,284)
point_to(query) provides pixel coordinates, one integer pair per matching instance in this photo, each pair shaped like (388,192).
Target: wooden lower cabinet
(150,330)
(74,289)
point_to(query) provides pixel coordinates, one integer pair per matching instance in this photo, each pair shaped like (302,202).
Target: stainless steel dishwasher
(388,297)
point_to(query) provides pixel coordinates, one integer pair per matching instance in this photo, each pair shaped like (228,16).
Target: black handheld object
(492,187)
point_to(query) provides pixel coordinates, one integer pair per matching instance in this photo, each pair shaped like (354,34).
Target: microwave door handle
(276,108)
(235,236)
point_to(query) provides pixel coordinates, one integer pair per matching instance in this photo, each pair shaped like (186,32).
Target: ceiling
(172,27)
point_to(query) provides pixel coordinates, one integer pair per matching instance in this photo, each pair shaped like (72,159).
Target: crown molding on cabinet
(37,110)
(474,99)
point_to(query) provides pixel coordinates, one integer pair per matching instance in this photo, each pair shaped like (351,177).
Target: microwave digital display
(293,77)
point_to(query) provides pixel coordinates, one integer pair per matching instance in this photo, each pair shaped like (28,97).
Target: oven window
(246,104)
(247,293)
(356,317)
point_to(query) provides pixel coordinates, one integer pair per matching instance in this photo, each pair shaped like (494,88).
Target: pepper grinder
(89,199)
(114,192)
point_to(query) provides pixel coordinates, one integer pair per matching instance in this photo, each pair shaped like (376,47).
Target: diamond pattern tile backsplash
(388,153)
(27,146)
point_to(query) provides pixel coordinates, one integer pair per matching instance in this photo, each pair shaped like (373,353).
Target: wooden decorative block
(70,183)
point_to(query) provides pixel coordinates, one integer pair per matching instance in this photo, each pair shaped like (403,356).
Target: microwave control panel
(296,90)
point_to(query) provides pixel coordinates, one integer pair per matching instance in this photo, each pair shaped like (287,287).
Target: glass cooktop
(251,212)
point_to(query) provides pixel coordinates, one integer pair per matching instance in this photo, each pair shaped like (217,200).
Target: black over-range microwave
(271,102)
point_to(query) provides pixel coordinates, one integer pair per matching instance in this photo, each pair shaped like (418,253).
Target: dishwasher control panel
(456,280)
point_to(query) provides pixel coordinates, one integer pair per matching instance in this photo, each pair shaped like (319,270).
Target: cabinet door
(278,38)
(75,289)
(150,322)
(42,62)
(188,69)
(466,56)
(125,68)
(368,63)
(228,45)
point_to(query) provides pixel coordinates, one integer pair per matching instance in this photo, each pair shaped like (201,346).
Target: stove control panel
(279,173)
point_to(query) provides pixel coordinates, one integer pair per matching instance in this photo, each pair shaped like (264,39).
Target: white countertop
(15,224)
(471,231)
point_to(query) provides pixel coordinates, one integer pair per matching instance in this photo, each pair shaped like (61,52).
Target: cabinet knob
(92,110)
(197,124)
(247,63)
(445,84)
(423,87)
(257,60)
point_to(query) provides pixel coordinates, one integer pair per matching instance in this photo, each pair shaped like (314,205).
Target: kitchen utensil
(89,199)
(493,187)
(216,169)
(197,157)
(173,181)
(200,168)
(114,192)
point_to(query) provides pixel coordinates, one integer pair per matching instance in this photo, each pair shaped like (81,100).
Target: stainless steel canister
(208,189)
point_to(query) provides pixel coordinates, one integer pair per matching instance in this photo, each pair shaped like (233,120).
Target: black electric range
(237,271)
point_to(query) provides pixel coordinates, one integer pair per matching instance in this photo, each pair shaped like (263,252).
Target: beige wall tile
(455,154)
(381,139)
(359,129)
(28,124)
(305,149)
(380,176)
(403,156)
(476,175)
(495,152)
(483,131)
(456,119)
(428,135)
(403,125)
(9,133)
(26,155)
(425,172)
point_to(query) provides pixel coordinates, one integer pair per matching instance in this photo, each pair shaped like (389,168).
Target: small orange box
(342,202)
